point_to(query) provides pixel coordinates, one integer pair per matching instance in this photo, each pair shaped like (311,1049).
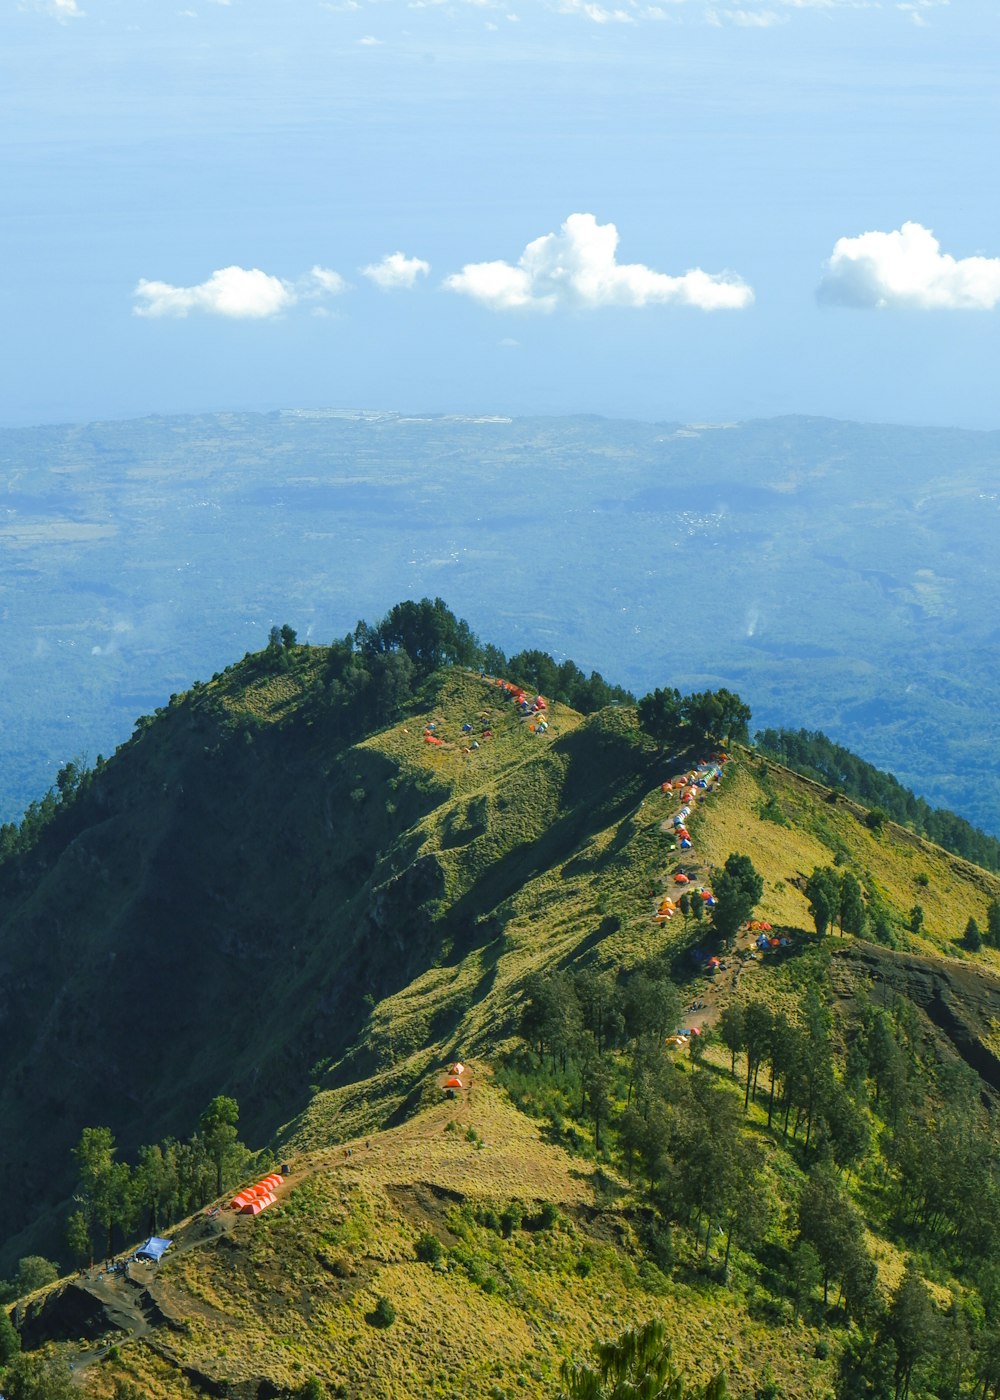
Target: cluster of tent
(693,787)
(667,907)
(533,710)
(681,1039)
(454,1080)
(767,943)
(253,1199)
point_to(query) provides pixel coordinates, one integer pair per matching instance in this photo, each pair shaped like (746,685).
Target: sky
(694,210)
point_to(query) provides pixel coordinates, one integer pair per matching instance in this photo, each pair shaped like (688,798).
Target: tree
(10,1340)
(638,1365)
(916,919)
(807,1275)
(993,923)
(661,716)
(911,1326)
(105,1185)
(34,1272)
(597,1089)
(218,1130)
(972,938)
(737,891)
(758,1025)
(716,717)
(830,1223)
(429,633)
(31,1376)
(78,1238)
(852,904)
(731,1032)
(288,636)
(823,894)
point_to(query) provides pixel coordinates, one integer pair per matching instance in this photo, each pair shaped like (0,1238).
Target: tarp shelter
(154,1249)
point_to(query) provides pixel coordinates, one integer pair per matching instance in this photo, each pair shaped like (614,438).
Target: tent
(255,1207)
(453,1083)
(458,1067)
(154,1249)
(681,880)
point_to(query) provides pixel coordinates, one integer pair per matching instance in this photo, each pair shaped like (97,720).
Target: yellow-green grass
(297,1294)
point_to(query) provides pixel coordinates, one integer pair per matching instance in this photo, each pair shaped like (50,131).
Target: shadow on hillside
(605,779)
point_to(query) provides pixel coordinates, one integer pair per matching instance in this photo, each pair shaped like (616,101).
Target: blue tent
(154,1249)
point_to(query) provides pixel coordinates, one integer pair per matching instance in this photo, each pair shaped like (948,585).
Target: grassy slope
(294,1297)
(551,849)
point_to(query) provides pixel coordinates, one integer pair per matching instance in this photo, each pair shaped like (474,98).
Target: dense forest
(813,754)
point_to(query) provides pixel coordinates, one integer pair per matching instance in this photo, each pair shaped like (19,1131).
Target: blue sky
(198,201)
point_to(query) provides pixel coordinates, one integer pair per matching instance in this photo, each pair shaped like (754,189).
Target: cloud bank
(396,272)
(577,267)
(906,269)
(239,293)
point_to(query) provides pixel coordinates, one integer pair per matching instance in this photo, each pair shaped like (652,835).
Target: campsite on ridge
(544,1016)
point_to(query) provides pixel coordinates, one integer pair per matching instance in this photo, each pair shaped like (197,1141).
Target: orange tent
(255,1207)
(453,1083)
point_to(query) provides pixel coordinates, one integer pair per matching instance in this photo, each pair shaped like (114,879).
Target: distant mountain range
(837,575)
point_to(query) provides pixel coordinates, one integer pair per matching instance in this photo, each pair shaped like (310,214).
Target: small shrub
(384,1314)
(429,1249)
(923,879)
(822,1350)
(584,1265)
(313,1389)
(660,1247)
(510,1219)
(547,1216)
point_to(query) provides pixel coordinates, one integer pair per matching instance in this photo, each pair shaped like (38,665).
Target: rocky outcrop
(961,1000)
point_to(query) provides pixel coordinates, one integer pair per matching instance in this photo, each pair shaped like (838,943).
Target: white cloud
(577,267)
(754,19)
(907,269)
(369,41)
(237,292)
(328,281)
(61,10)
(598,13)
(396,271)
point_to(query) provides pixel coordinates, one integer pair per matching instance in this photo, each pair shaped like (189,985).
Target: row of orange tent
(253,1199)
